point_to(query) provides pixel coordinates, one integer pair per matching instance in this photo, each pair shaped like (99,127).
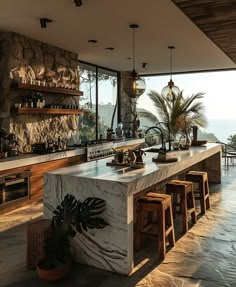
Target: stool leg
(208,204)
(184,212)
(139,226)
(202,197)
(192,205)
(169,221)
(161,233)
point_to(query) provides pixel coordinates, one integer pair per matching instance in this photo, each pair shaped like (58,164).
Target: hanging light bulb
(170,90)
(136,86)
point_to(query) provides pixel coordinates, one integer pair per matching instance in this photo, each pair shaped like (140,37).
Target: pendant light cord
(133,49)
(171,63)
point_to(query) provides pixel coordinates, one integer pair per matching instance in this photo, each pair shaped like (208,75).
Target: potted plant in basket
(70,216)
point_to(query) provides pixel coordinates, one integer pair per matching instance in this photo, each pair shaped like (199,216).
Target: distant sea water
(221,128)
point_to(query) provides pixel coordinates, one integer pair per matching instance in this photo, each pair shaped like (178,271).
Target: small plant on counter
(120,153)
(70,216)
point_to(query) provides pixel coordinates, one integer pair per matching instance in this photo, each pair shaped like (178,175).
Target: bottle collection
(38,101)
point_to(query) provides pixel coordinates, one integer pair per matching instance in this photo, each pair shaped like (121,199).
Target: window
(99,102)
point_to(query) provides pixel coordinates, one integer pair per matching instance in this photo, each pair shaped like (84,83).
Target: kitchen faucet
(163,144)
(169,137)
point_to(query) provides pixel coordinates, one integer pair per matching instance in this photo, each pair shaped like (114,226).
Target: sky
(220,94)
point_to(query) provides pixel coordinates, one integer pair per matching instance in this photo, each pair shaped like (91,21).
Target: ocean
(221,128)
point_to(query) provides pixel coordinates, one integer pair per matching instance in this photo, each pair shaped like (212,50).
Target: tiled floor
(205,256)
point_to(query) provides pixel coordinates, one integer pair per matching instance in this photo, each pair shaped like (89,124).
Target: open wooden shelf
(48,111)
(48,89)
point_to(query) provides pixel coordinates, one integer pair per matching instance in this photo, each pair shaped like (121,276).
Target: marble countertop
(112,248)
(126,174)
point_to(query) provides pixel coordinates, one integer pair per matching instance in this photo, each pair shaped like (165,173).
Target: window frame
(97,67)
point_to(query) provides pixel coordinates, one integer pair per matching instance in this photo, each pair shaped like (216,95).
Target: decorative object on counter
(164,157)
(170,89)
(109,133)
(185,141)
(70,216)
(176,145)
(139,156)
(119,155)
(12,145)
(195,132)
(135,86)
(119,131)
(140,133)
(131,156)
(198,143)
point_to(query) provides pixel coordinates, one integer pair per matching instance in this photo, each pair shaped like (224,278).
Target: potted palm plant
(70,216)
(172,110)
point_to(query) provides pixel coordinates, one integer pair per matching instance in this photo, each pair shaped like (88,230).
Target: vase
(185,141)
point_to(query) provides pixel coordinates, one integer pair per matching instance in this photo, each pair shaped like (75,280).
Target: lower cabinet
(21,185)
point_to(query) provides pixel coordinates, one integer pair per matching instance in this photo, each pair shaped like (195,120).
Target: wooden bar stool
(203,194)
(161,204)
(182,190)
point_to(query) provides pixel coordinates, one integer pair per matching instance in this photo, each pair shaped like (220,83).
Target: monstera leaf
(86,214)
(65,212)
(71,215)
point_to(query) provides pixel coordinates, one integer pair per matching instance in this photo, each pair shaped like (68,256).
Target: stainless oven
(14,186)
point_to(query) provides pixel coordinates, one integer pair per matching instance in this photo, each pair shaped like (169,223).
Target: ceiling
(161,23)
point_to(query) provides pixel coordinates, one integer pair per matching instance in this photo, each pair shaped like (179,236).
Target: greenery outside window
(99,102)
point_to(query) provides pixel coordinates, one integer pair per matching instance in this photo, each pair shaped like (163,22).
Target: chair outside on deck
(228,153)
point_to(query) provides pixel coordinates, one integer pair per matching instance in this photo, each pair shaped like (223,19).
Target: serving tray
(173,159)
(110,163)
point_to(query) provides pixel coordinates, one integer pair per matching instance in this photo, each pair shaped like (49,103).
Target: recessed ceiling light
(92,41)
(109,48)
(44,22)
(78,3)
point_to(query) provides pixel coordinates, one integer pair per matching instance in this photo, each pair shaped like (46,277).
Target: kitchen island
(112,248)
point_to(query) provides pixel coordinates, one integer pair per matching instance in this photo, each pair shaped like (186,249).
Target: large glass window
(99,101)
(218,99)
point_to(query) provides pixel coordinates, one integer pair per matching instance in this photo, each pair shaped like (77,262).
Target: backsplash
(29,61)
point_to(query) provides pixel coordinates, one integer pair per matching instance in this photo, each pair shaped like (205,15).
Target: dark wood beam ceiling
(215,18)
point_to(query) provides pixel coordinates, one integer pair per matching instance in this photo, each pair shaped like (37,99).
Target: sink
(152,150)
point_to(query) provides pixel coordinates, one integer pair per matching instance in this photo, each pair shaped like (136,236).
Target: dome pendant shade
(135,86)
(170,89)
(138,86)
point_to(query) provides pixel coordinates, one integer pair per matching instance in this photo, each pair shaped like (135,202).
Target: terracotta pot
(54,274)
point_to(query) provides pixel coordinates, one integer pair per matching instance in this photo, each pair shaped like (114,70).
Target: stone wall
(29,60)
(128,113)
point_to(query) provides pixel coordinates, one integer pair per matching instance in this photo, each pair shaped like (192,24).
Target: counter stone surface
(30,158)
(112,248)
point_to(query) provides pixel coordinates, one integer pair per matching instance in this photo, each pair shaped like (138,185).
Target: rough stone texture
(31,59)
(127,104)
(204,257)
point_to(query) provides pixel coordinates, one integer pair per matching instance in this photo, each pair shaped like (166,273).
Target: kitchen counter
(112,248)
(30,158)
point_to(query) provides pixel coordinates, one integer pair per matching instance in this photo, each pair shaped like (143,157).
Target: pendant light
(136,86)
(170,89)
